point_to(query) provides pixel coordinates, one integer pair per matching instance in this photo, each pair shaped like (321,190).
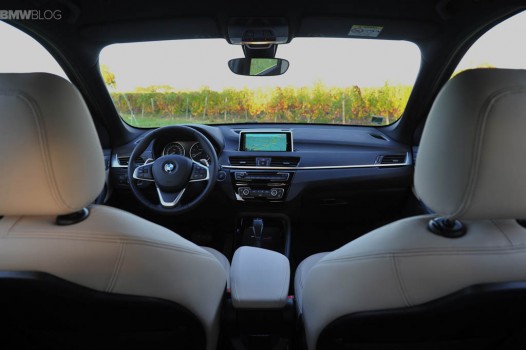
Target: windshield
(329,81)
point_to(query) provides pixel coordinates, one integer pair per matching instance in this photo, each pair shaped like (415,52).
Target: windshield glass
(329,81)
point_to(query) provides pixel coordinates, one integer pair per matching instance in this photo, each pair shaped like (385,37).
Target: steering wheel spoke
(144,173)
(200,172)
(170,199)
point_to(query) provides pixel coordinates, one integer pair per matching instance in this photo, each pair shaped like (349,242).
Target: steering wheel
(172,173)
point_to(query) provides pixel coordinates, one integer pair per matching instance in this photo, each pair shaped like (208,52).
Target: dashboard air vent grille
(126,160)
(284,161)
(240,161)
(392,159)
(379,137)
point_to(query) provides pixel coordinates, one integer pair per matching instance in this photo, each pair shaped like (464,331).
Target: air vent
(274,161)
(126,160)
(392,159)
(243,161)
(284,161)
(379,137)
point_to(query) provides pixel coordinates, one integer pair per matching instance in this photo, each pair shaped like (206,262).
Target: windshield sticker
(365,31)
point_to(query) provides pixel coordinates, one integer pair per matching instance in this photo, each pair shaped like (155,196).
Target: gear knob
(257,227)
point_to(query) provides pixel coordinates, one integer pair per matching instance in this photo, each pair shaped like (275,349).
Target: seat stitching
(44,149)
(9,229)
(86,236)
(117,268)
(502,231)
(401,286)
(509,250)
(488,105)
(117,240)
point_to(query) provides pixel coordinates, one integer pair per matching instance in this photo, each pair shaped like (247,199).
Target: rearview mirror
(258,66)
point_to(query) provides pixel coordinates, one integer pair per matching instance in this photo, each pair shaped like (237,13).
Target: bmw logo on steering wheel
(169,167)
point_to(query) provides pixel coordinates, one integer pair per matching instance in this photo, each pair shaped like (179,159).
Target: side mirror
(258,66)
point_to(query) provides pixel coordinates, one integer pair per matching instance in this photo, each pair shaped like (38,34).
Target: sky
(25,54)
(191,64)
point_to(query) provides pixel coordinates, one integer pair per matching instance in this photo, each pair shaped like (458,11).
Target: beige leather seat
(51,164)
(470,167)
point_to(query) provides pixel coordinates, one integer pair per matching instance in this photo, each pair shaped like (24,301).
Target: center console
(264,170)
(264,230)
(259,314)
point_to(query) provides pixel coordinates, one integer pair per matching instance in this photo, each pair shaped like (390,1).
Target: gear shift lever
(257,227)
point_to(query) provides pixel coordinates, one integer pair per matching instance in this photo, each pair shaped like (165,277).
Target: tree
(108,76)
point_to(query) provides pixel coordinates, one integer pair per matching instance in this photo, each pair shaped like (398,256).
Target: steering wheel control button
(199,173)
(143,172)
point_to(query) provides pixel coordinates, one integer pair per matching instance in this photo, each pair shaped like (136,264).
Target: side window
(23,54)
(501,47)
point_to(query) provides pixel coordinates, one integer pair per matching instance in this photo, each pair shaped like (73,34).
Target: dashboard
(280,163)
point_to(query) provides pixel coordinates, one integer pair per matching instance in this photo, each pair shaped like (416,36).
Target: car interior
(287,176)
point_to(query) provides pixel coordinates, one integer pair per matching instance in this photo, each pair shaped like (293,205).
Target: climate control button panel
(272,193)
(257,185)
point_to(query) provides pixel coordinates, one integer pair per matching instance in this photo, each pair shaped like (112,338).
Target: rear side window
(23,54)
(501,47)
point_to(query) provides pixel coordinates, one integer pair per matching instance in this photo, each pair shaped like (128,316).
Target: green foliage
(261,64)
(161,105)
(108,76)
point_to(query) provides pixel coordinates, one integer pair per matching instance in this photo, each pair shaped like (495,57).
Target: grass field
(155,121)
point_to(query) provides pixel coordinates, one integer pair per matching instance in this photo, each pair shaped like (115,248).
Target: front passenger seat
(470,170)
(52,168)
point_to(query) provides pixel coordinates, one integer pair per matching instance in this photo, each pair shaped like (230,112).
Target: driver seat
(71,272)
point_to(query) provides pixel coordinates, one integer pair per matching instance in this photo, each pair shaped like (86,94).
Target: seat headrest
(470,162)
(51,161)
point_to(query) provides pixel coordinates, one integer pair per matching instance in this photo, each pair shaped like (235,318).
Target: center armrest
(259,279)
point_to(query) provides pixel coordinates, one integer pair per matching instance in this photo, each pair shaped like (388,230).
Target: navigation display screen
(265,141)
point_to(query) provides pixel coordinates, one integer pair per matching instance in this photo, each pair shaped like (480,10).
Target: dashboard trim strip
(248,167)
(323,167)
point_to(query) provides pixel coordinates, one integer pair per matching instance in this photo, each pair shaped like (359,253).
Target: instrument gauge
(173,148)
(197,153)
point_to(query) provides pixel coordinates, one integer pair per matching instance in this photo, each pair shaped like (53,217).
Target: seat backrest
(52,169)
(468,172)
(42,311)
(484,316)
